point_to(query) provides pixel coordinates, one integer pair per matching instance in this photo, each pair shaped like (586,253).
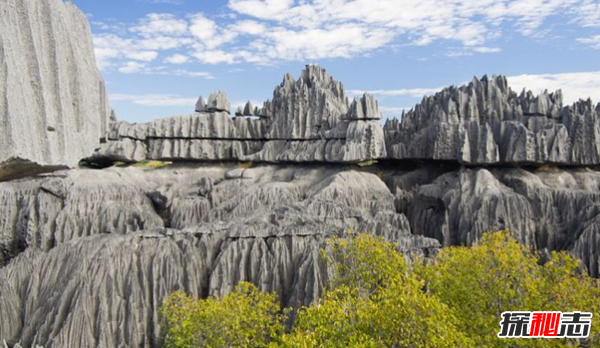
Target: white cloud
(164,100)
(160,23)
(588,14)
(483,49)
(177,59)
(241,103)
(393,110)
(105,56)
(202,27)
(269,31)
(132,67)
(181,72)
(593,41)
(250,27)
(573,85)
(146,56)
(215,57)
(265,9)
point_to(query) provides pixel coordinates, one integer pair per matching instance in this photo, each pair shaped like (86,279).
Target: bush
(244,318)
(481,282)
(373,299)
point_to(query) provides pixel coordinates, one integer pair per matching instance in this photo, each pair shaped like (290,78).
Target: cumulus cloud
(177,59)
(411,92)
(215,57)
(163,24)
(270,31)
(593,41)
(132,67)
(588,14)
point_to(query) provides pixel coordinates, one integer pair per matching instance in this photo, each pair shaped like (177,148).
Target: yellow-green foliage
(373,299)
(366,163)
(151,164)
(499,275)
(244,318)
(245,165)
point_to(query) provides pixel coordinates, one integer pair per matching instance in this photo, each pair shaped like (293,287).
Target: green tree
(245,318)
(481,282)
(373,300)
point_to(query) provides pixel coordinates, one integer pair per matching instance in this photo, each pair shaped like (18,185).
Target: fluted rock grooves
(485,123)
(87,256)
(53,104)
(308,120)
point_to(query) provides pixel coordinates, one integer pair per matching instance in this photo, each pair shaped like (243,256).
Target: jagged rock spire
(201,105)
(364,108)
(218,102)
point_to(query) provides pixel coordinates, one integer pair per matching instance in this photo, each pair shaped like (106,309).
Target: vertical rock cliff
(53,103)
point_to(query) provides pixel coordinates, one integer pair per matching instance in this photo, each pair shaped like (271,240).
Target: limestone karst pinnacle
(311,120)
(486,123)
(308,120)
(87,256)
(61,115)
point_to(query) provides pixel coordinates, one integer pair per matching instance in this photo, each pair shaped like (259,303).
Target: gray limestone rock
(47,211)
(308,120)
(218,102)
(59,115)
(364,108)
(486,123)
(114,264)
(544,208)
(201,105)
(249,110)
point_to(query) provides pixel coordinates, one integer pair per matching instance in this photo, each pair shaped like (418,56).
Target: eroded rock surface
(545,208)
(204,228)
(308,120)
(120,240)
(53,103)
(311,120)
(486,123)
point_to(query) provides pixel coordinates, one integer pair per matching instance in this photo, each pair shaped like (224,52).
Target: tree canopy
(373,298)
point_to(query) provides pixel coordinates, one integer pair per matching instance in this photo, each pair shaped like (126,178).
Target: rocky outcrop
(485,123)
(87,256)
(120,240)
(53,104)
(203,228)
(311,120)
(105,291)
(544,208)
(308,120)
(217,102)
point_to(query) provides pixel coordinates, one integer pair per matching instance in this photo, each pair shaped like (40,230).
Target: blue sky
(158,56)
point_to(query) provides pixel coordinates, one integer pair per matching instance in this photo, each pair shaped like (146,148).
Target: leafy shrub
(373,299)
(244,318)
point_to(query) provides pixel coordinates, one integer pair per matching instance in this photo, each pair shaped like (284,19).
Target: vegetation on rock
(374,299)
